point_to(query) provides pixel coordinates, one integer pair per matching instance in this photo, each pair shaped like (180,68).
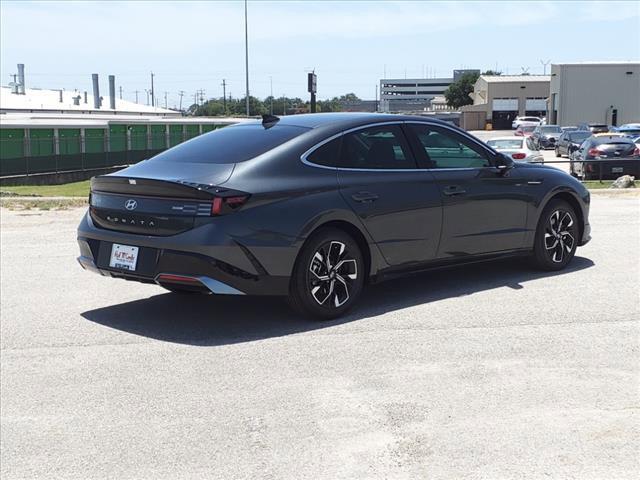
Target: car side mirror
(504,163)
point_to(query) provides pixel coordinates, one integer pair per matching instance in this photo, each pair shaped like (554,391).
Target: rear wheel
(556,237)
(328,276)
(558,153)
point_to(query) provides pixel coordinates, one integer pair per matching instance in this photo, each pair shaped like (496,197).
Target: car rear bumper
(610,169)
(196,260)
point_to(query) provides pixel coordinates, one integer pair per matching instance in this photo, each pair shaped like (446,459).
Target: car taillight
(589,168)
(636,152)
(594,152)
(518,156)
(223,205)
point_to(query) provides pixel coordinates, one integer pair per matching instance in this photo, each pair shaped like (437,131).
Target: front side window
(382,147)
(446,149)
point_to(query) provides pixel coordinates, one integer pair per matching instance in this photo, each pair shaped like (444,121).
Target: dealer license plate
(124,257)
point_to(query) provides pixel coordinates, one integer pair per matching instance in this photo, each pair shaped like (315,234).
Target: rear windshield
(579,136)
(233,144)
(506,143)
(612,141)
(528,128)
(550,129)
(531,119)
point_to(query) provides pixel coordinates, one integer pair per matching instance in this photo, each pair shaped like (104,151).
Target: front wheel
(328,276)
(556,237)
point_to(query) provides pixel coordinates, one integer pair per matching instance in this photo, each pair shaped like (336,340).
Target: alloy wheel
(559,235)
(331,274)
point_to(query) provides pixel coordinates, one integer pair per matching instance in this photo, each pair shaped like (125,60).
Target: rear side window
(327,154)
(231,144)
(382,147)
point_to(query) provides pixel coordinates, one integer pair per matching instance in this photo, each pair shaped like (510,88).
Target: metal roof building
(35,100)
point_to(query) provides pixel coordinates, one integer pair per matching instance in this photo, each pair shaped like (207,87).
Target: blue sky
(194,45)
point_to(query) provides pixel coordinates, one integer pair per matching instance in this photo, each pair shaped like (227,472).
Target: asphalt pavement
(493,371)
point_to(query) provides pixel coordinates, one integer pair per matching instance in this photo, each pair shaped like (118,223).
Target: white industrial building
(594,92)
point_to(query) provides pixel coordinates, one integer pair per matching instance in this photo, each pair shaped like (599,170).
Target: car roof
(347,119)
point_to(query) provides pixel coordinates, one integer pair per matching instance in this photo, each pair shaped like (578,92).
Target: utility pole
(284,105)
(246,55)
(137,95)
(544,64)
(148,91)
(165,99)
(376,97)
(153,103)
(224,95)
(271,86)
(181,93)
(195,98)
(120,92)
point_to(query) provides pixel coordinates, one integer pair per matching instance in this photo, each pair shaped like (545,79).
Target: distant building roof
(37,100)
(606,62)
(515,78)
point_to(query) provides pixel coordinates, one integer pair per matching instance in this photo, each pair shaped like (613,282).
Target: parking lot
(492,371)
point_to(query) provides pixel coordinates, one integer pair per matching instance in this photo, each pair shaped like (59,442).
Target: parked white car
(521,149)
(534,121)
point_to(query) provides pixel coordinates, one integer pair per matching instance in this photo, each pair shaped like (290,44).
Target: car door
(399,204)
(484,210)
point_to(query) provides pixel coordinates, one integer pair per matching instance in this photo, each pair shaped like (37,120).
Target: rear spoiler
(153,188)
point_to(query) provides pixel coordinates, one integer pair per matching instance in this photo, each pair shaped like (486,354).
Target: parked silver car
(521,149)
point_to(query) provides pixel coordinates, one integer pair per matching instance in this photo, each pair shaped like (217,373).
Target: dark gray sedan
(314,207)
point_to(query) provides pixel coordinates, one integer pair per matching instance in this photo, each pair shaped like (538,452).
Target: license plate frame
(124,257)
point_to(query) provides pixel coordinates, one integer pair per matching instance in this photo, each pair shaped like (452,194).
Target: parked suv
(521,121)
(545,136)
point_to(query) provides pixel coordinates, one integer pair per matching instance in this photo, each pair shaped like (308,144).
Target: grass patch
(593,184)
(76,189)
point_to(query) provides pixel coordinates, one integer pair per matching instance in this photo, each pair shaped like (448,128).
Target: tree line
(276,105)
(457,94)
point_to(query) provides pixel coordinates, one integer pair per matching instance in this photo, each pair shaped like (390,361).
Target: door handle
(365,197)
(452,190)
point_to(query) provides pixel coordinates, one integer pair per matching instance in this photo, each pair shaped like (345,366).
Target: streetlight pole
(271,86)
(246,55)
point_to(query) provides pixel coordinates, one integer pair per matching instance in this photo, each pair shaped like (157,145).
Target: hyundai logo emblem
(130,204)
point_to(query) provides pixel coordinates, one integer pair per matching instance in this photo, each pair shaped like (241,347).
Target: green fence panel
(208,127)
(69,141)
(191,131)
(158,137)
(138,137)
(12,145)
(94,140)
(175,135)
(42,142)
(118,138)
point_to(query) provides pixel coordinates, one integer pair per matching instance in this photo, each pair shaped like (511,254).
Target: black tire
(557,236)
(328,276)
(557,153)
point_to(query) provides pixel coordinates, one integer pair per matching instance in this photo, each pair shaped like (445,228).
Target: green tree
(457,94)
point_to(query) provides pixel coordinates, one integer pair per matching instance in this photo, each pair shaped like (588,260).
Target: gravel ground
(492,371)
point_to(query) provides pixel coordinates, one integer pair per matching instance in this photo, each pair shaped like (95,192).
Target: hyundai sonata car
(315,207)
